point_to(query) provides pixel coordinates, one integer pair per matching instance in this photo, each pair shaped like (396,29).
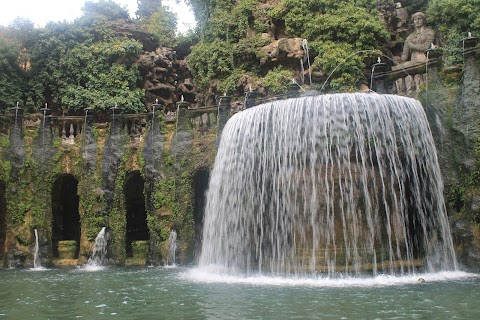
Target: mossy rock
(140,249)
(67,249)
(23,235)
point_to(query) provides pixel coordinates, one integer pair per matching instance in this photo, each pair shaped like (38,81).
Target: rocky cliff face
(166,78)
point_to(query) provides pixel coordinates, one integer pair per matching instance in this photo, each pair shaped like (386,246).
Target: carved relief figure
(419,41)
(414,52)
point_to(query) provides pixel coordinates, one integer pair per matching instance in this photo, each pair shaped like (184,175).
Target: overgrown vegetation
(231,37)
(90,62)
(454,20)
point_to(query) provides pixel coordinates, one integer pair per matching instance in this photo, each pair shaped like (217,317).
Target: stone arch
(200,187)
(65,215)
(3,215)
(136,214)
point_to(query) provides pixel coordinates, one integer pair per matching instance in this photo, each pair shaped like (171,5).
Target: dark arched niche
(137,228)
(3,224)
(200,185)
(65,216)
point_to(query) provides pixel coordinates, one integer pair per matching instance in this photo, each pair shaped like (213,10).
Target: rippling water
(181,293)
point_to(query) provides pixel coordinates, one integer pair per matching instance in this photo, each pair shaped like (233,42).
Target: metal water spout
(379,65)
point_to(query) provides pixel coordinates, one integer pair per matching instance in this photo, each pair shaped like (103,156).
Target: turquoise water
(181,293)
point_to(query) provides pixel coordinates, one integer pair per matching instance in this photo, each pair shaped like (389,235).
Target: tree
(454,19)
(22,30)
(163,24)
(87,63)
(335,30)
(104,9)
(10,73)
(145,8)
(102,74)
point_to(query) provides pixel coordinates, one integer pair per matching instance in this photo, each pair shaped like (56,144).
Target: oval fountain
(330,186)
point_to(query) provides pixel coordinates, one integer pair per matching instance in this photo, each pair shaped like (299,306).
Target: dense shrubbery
(87,63)
(454,19)
(10,75)
(334,30)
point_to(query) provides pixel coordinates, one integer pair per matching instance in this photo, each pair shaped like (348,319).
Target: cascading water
(172,247)
(37,264)
(342,184)
(99,251)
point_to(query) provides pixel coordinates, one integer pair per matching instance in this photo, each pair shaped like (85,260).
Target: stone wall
(37,152)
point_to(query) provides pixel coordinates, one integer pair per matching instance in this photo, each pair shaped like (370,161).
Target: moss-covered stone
(67,249)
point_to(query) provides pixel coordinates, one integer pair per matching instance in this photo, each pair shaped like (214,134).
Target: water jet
(99,251)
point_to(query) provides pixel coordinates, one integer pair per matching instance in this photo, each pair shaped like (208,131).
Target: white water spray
(37,264)
(344,184)
(99,251)
(172,248)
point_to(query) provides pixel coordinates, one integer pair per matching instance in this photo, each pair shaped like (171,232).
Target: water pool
(183,293)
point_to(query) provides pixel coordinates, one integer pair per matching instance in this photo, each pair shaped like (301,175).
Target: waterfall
(99,251)
(172,247)
(37,264)
(340,184)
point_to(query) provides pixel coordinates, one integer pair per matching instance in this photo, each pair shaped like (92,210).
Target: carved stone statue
(419,41)
(414,52)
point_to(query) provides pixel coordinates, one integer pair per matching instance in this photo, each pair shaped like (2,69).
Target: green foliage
(229,84)
(334,29)
(145,8)
(104,9)
(276,80)
(344,63)
(86,64)
(468,187)
(415,5)
(454,19)
(23,31)
(5,165)
(162,23)
(10,75)
(337,30)
(210,60)
(101,75)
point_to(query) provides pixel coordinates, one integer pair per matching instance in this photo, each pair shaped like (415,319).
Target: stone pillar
(223,114)
(181,219)
(471,88)
(379,75)
(89,144)
(183,120)
(116,122)
(292,90)
(13,257)
(45,129)
(17,116)
(250,99)
(115,148)
(154,171)
(434,65)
